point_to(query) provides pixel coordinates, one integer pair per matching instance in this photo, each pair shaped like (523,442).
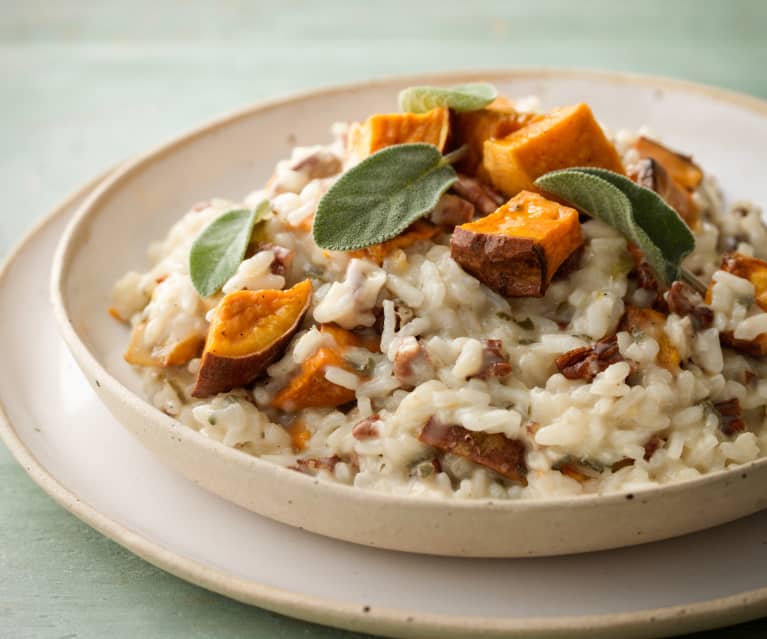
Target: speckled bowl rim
(391,622)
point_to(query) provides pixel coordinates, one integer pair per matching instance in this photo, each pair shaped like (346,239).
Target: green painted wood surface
(85,84)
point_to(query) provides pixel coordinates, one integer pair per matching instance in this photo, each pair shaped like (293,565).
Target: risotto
(503,345)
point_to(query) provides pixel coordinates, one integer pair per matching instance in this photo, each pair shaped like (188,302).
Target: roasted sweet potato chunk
(680,167)
(309,388)
(497,120)
(686,302)
(249,330)
(647,321)
(493,450)
(651,174)
(420,230)
(386,129)
(139,354)
(566,137)
(516,250)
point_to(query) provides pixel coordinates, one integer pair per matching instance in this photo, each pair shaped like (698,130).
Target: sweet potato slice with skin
(516,250)
(680,167)
(419,230)
(249,330)
(497,120)
(651,322)
(493,450)
(386,129)
(566,137)
(309,388)
(180,353)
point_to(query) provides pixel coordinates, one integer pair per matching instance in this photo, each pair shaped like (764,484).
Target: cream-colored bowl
(727,133)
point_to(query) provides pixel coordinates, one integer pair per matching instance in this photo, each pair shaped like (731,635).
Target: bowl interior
(237,156)
(233,156)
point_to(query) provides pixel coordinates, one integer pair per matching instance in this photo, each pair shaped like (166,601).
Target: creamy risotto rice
(579,399)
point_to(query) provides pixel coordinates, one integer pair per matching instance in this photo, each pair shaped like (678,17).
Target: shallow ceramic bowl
(727,134)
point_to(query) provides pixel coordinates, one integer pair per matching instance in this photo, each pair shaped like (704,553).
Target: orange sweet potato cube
(309,388)
(516,250)
(419,230)
(386,129)
(566,137)
(139,354)
(473,128)
(680,167)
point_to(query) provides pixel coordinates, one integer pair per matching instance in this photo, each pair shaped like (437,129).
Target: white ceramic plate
(62,435)
(230,157)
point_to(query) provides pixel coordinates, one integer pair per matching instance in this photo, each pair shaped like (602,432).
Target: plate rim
(698,615)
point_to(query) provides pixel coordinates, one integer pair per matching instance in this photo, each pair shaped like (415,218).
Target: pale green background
(86,84)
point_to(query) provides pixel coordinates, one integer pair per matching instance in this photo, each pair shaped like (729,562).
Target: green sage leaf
(381,196)
(638,213)
(462,97)
(663,225)
(220,247)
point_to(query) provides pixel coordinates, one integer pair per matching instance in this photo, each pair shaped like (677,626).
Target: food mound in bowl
(468,298)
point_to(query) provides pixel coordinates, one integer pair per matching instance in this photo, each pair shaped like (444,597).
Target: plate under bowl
(234,155)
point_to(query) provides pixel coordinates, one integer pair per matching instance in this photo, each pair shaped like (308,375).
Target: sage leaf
(638,213)
(462,97)
(381,196)
(663,225)
(220,247)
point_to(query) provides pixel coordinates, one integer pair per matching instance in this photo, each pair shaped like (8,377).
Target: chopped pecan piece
(412,363)
(516,250)
(312,465)
(452,210)
(494,362)
(621,463)
(587,362)
(318,164)
(749,377)
(647,281)
(366,429)
(683,301)
(484,198)
(283,257)
(492,450)
(730,419)
(652,445)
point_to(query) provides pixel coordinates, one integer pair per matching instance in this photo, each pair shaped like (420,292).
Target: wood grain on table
(86,84)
